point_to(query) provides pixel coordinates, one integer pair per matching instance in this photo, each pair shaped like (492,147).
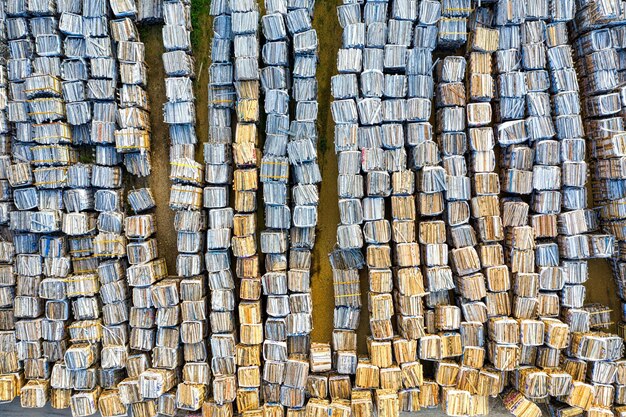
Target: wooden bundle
(517,404)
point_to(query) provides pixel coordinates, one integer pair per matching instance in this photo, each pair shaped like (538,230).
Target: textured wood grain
(13,410)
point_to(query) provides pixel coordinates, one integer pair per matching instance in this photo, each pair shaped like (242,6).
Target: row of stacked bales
(218,158)
(245,18)
(11,377)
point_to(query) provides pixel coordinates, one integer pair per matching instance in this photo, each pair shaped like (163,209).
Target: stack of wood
(245,36)
(133,136)
(218,160)
(302,153)
(598,63)
(11,377)
(453,25)
(274,175)
(187,290)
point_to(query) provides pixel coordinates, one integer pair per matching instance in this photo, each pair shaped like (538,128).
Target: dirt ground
(600,287)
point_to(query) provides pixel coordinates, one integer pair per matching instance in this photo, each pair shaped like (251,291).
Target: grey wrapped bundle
(109,245)
(345,86)
(101,90)
(176,113)
(187,171)
(49,177)
(188,265)
(349,60)
(138,164)
(78,113)
(48,45)
(133,73)
(42,86)
(46,109)
(185,197)
(176,38)
(273,26)
(132,140)
(176,13)
(306,42)
(275,53)
(245,22)
(189,221)
(178,63)
(179,89)
(451,119)
(122,29)
(452,31)
(26,198)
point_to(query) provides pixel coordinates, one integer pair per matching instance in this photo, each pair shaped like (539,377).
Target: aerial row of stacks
(65,73)
(386,121)
(72,332)
(534,241)
(274,177)
(599,48)
(218,158)
(181,300)
(245,20)
(10,378)
(56,247)
(290,153)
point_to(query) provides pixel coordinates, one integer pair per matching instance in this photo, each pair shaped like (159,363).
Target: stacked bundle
(453,23)
(43,140)
(185,293)
(347,257)
(274,176)
(302,153)
(504,351)
(245,23)
(11,378)
(150,11)
(132,138)
(546,179)
(485,207)
(573,217)
(218,175)
(598,58)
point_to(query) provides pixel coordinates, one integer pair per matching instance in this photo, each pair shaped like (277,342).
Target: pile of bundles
(75,75)
(514,248)
(476,265)
(234,83)
(132,138)
(218,160)
(453,25)
(181,300)
(11,380)
(150,11)
(287,241)
(599,50)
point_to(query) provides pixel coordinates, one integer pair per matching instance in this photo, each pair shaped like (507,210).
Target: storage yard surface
(600,287)
(329,33)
